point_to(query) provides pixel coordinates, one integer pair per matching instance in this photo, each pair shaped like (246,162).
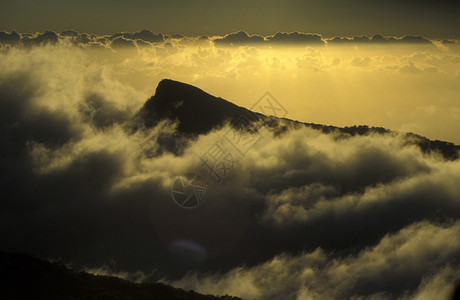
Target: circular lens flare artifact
(189,191)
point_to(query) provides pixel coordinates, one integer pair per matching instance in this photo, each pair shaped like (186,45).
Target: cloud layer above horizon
(302,214)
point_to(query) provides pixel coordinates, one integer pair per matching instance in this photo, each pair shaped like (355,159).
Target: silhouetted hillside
(26,277)
(199,112)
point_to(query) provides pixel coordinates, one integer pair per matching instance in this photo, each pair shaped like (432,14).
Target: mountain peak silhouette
(174,90)
(197,111)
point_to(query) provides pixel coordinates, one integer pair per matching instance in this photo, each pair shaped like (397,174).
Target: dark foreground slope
(26,277)
(198,112)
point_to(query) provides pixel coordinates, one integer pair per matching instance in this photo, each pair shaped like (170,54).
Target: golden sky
(406,88)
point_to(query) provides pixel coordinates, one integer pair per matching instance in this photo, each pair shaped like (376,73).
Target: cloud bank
(385,271)
(241,38)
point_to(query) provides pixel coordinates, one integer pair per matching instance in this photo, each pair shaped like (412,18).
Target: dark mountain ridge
(198,112)
(26,277)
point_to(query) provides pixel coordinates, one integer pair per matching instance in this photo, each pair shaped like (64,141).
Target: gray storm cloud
(303,214)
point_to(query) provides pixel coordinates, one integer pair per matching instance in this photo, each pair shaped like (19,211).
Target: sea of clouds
(302,215)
